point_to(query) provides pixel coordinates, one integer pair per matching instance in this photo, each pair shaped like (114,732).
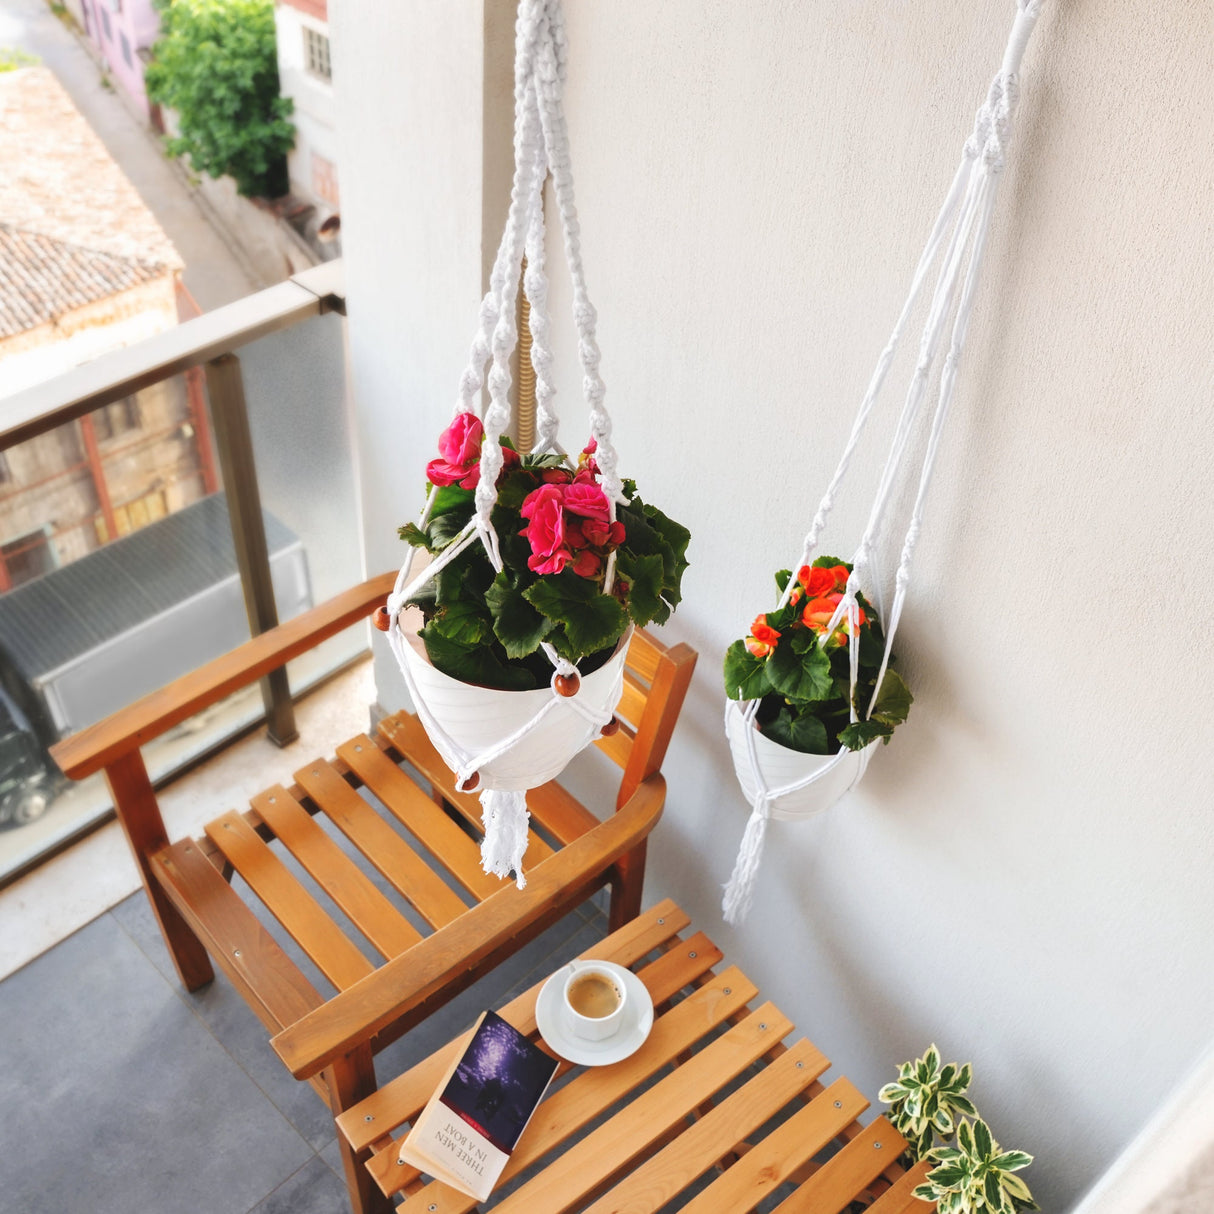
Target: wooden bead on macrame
(567,684)
(470,784)
(381,619)
(612,727)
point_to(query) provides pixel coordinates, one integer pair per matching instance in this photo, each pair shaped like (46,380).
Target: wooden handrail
(355,1015)
(137,724)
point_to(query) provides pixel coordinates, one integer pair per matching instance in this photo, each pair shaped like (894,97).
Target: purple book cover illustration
(498,1082)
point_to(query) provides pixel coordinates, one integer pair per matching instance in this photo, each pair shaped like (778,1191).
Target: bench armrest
(356,1014)
(133,726)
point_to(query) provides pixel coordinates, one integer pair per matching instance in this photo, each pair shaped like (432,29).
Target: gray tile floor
(122,1094)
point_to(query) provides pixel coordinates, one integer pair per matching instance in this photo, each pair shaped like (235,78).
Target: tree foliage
(216,65)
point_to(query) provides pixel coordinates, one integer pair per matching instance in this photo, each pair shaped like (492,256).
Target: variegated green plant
(927,1099)
(976,1176)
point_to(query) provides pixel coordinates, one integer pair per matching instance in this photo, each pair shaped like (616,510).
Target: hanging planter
(805,674)
(512,639)
(811,688)
(477,719)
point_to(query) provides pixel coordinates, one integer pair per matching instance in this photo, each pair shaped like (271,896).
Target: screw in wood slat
(762,1026)
(876,1146)
(273,799)
(236,952)
(661,922)
(692,954)
(729,991)
(359,748)
(369,1117)
(838,1103)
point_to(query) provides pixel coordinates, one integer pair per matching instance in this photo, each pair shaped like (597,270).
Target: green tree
(12,57)
(216,65)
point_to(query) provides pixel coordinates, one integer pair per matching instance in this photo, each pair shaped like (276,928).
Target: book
(469,1128)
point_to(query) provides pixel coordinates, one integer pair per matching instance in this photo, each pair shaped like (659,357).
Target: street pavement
(214,274)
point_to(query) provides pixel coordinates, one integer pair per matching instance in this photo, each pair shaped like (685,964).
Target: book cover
(466,1133)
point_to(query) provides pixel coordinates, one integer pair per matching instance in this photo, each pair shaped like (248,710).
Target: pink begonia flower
(587,563)
(587,500)
(545,530)
(460,448)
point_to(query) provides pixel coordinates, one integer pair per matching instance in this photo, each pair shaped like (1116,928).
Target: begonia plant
(555,536)
(799,667)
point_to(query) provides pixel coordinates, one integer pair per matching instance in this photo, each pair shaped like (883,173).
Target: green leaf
(477,665)
(516,623)
(514,487)
(413,535)
(462,622)
(745,675)
(800,676)
(963,1104)
(993,1190)
(1012,1161)
(860,734)
(591,621)
(982,1139)
(644,575)
(444,499)
(782,579)
(932,1059)
(894,700)
(798,731)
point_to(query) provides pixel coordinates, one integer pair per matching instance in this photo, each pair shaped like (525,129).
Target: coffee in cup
(594,999)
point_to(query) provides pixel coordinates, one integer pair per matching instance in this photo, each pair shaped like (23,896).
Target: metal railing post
(234,443)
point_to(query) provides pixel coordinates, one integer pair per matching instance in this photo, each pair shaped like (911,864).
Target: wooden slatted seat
(714,1111)
(370,862)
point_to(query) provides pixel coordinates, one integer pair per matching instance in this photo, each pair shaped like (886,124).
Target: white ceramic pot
(478,718)
(833,775)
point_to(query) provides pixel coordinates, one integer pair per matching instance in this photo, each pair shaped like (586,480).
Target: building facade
(87,269)
(122,31)
(306,76)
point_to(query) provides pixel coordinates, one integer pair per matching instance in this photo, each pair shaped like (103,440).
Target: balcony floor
(121,1089)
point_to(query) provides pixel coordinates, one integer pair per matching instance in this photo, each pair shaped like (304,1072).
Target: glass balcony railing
(158,504)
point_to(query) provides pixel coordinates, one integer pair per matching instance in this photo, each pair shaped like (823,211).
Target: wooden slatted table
(715,1110)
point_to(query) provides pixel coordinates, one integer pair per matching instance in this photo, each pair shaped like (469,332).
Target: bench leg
(626,887)
(351,1079)
(139,814)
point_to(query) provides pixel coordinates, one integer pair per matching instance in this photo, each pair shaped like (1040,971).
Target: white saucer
(551,1019)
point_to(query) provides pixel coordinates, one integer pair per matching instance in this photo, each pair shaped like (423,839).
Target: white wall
(1025,875)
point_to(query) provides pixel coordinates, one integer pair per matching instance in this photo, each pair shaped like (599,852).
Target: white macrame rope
(541,146)
(967,208)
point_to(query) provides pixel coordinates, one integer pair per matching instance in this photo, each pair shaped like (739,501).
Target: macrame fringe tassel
(739,893)
(505,818)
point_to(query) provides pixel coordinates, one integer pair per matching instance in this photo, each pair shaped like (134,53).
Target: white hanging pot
(814,782)
(479,719)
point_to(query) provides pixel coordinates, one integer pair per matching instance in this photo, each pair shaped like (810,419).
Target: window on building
(6,473)
(26,558)
(316,53)
(105,23)
(126,50)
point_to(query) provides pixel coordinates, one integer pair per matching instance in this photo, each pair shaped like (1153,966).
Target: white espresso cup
(594,997)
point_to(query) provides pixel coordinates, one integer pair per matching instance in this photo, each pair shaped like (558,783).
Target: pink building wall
(120,29)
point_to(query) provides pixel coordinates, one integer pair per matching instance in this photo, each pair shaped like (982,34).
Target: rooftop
(73,229)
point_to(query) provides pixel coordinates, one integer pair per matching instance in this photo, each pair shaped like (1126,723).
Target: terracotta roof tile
(57,179)
(42,278)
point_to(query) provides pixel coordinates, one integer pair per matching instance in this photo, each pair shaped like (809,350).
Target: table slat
(845,1176)
(770,1162)
(660,1179)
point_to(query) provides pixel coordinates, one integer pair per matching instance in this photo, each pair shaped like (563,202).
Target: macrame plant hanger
(960,231)
(504,768)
